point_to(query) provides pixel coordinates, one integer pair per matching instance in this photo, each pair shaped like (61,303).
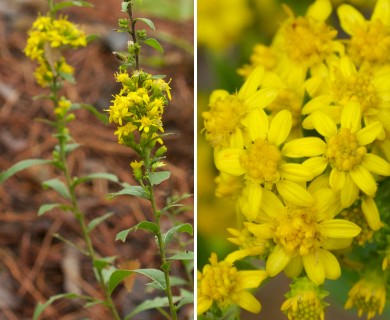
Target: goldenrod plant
(302,150)
(137,111)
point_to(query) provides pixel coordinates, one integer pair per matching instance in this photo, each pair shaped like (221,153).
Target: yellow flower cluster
(47,37)
(303,144)
(139,106)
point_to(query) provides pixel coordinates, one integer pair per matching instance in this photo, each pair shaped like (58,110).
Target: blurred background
(35,265)
(227,32)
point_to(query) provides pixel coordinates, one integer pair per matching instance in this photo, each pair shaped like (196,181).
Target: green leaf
(68,77)
(136,191)
(158,302)
(116,277)
(183,256)
(144,225)
(73,3)
(103,262)
(176,281)
(175,202)
(58,186)
(71,147)
(92,37)
(187,298)
(21,165)
(125,5)
(98,175)
(101,116)
(147,21)
(50,206)
(158,177)
(95,222)
(42,306)
(185,227)
(154,44)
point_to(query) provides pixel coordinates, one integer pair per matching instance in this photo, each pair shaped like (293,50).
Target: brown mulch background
(34,264)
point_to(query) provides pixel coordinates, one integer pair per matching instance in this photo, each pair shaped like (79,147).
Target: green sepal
(144,225)
(50,206)
(156,178)
(42,306)
(116,276)
(184,227)
(98,175)
(74,3)
(95,222)
(189,255)
(147,21)
(21,165)
(58,186)
(136,191)
(154,44)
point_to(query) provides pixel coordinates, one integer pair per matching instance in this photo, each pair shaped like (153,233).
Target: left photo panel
(97,159)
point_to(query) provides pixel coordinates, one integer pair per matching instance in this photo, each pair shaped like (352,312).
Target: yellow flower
(221,283)
(368,294)
(228,185)
(370,39)
(228,111)
(345,151)
(304,301)
(303,235)
(261,161)
(261,56)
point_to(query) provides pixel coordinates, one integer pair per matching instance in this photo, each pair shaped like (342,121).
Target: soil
(34,263)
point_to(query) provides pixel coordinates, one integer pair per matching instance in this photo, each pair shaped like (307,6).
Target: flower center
(343,151)
(298,231)
(261,162)
(309,308)
(359,88)
(218,281)
(356,216)
(223,118)
(371,43)
(308,41)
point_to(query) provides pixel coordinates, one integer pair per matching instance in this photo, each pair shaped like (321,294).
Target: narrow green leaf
(176,281)
(71,147)
(103,262)
(95,222)
(73,3)
(50,206)
(183,256)
(175,202)
(187,298)
(98,175)
(42,306)
(116,277)
(101,116)
(158,177)
(185,227)
(136,191)
(158,302)
(58,186)
(154,44)
(92,37)
(21,165)
(68,77)
(148,22)
(144,225)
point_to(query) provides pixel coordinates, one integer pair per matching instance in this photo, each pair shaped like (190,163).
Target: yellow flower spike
(304,301)
(368,295)
(302,233)
(221,283)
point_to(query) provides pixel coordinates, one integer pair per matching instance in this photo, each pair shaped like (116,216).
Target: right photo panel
(293,159)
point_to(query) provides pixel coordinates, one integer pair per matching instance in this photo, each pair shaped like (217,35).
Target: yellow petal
(371,213)
(304,147)
(347,67)
(369,133)
(376,164)
(250,279)
(340,228)
(337,179)
(382,12)
(252,196)
(351,116)
(280,127)
(350,18)
(316,165)
(218,94)
(247,301)
(252,83)
(264,230)
(349,193)
(293,192)
(261,99)
(295,172)
(320,10)
(203,305)
(294,268)
(271,204)
(258,124)
(323,124)
(228,160)
(364,180)
(337,243)
(330,263)
(327,204)
(277,261)
(317,103)
(314,269)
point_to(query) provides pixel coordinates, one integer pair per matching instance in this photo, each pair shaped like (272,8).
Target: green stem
(133,33)
(161,244)
(62,140)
